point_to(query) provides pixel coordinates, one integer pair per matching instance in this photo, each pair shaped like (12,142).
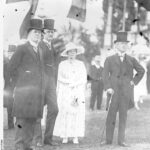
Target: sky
(55,9)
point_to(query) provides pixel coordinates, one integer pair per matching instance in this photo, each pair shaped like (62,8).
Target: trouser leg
(9,110)
(52,111)
(38,133)
(100,94)
(24,133)
(122,124)
(93,94)
(10,116)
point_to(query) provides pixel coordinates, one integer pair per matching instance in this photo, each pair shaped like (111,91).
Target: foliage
(117,16)
(82,37)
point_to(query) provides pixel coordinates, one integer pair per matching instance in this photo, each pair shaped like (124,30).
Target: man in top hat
(119,81)
(50,85)
(95,74)
(26,69)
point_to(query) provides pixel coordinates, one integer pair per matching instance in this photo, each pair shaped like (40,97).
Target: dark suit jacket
(117,75)
(49,58)
(26,70)
(148,77)
(95,73)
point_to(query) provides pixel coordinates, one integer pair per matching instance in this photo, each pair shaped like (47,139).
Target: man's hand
(110,91)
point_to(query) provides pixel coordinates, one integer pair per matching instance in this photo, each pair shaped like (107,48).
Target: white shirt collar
(48,43)
(33,44)
(121,54)
(94,64)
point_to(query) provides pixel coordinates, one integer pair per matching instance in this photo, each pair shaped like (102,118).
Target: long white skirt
(70,121)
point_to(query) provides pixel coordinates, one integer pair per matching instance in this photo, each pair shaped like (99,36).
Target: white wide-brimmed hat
(70,46)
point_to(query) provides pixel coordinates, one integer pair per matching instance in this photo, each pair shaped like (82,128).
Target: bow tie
(121,55)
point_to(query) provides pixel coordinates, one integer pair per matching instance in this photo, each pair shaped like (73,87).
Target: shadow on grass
(137,132)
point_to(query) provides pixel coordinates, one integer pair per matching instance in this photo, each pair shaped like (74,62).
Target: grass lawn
(137,132)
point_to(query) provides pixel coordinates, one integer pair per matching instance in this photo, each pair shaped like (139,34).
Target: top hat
(49,24)
(121,37)
(35,24)
(71,46)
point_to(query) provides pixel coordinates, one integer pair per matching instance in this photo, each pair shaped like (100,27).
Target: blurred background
(103,19)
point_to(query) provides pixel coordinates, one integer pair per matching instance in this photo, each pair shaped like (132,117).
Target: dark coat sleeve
(106,74)
(14,64)
(139,71)
(6,74)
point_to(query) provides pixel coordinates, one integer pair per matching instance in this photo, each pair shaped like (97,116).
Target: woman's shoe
(75,141)
(65,140)
(141,100)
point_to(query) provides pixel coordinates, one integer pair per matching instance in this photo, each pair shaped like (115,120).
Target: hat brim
(80,50)
(34,29)
(50,29)
(116,41)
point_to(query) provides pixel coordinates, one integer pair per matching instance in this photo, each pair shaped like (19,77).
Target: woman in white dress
(71,83)
(140,90)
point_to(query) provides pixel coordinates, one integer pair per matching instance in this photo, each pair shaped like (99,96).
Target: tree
(144,3)
(118,6)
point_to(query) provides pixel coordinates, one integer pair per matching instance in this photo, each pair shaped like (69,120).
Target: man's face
(48,34)
(35,35)
(122,47)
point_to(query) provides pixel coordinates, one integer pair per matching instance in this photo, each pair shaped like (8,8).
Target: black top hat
(35,24)
(49,24)
(121,37)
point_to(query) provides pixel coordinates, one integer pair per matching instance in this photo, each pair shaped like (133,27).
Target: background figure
(71,85)
(50,100)
(119,80)
(26,70)
(148,77)
(8,93)
(97,86)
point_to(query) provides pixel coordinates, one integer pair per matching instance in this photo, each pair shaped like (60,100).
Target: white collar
(35,45)
(121,54)
(94,64)
(49,43)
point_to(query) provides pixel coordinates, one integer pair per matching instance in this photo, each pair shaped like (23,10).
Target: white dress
(72,78)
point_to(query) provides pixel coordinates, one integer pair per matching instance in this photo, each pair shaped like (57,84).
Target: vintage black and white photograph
(76,75)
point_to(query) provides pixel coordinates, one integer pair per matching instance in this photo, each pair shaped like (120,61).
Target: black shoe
(50,142)
(123,145)
(28,149)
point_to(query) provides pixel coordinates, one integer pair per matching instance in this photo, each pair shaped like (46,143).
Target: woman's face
(72,54)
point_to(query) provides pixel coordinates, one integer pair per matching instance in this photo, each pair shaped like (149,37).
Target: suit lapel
(117,60)
(32,52)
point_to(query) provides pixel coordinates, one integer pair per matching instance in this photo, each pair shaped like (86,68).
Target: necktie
(49,46)
(35,49)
